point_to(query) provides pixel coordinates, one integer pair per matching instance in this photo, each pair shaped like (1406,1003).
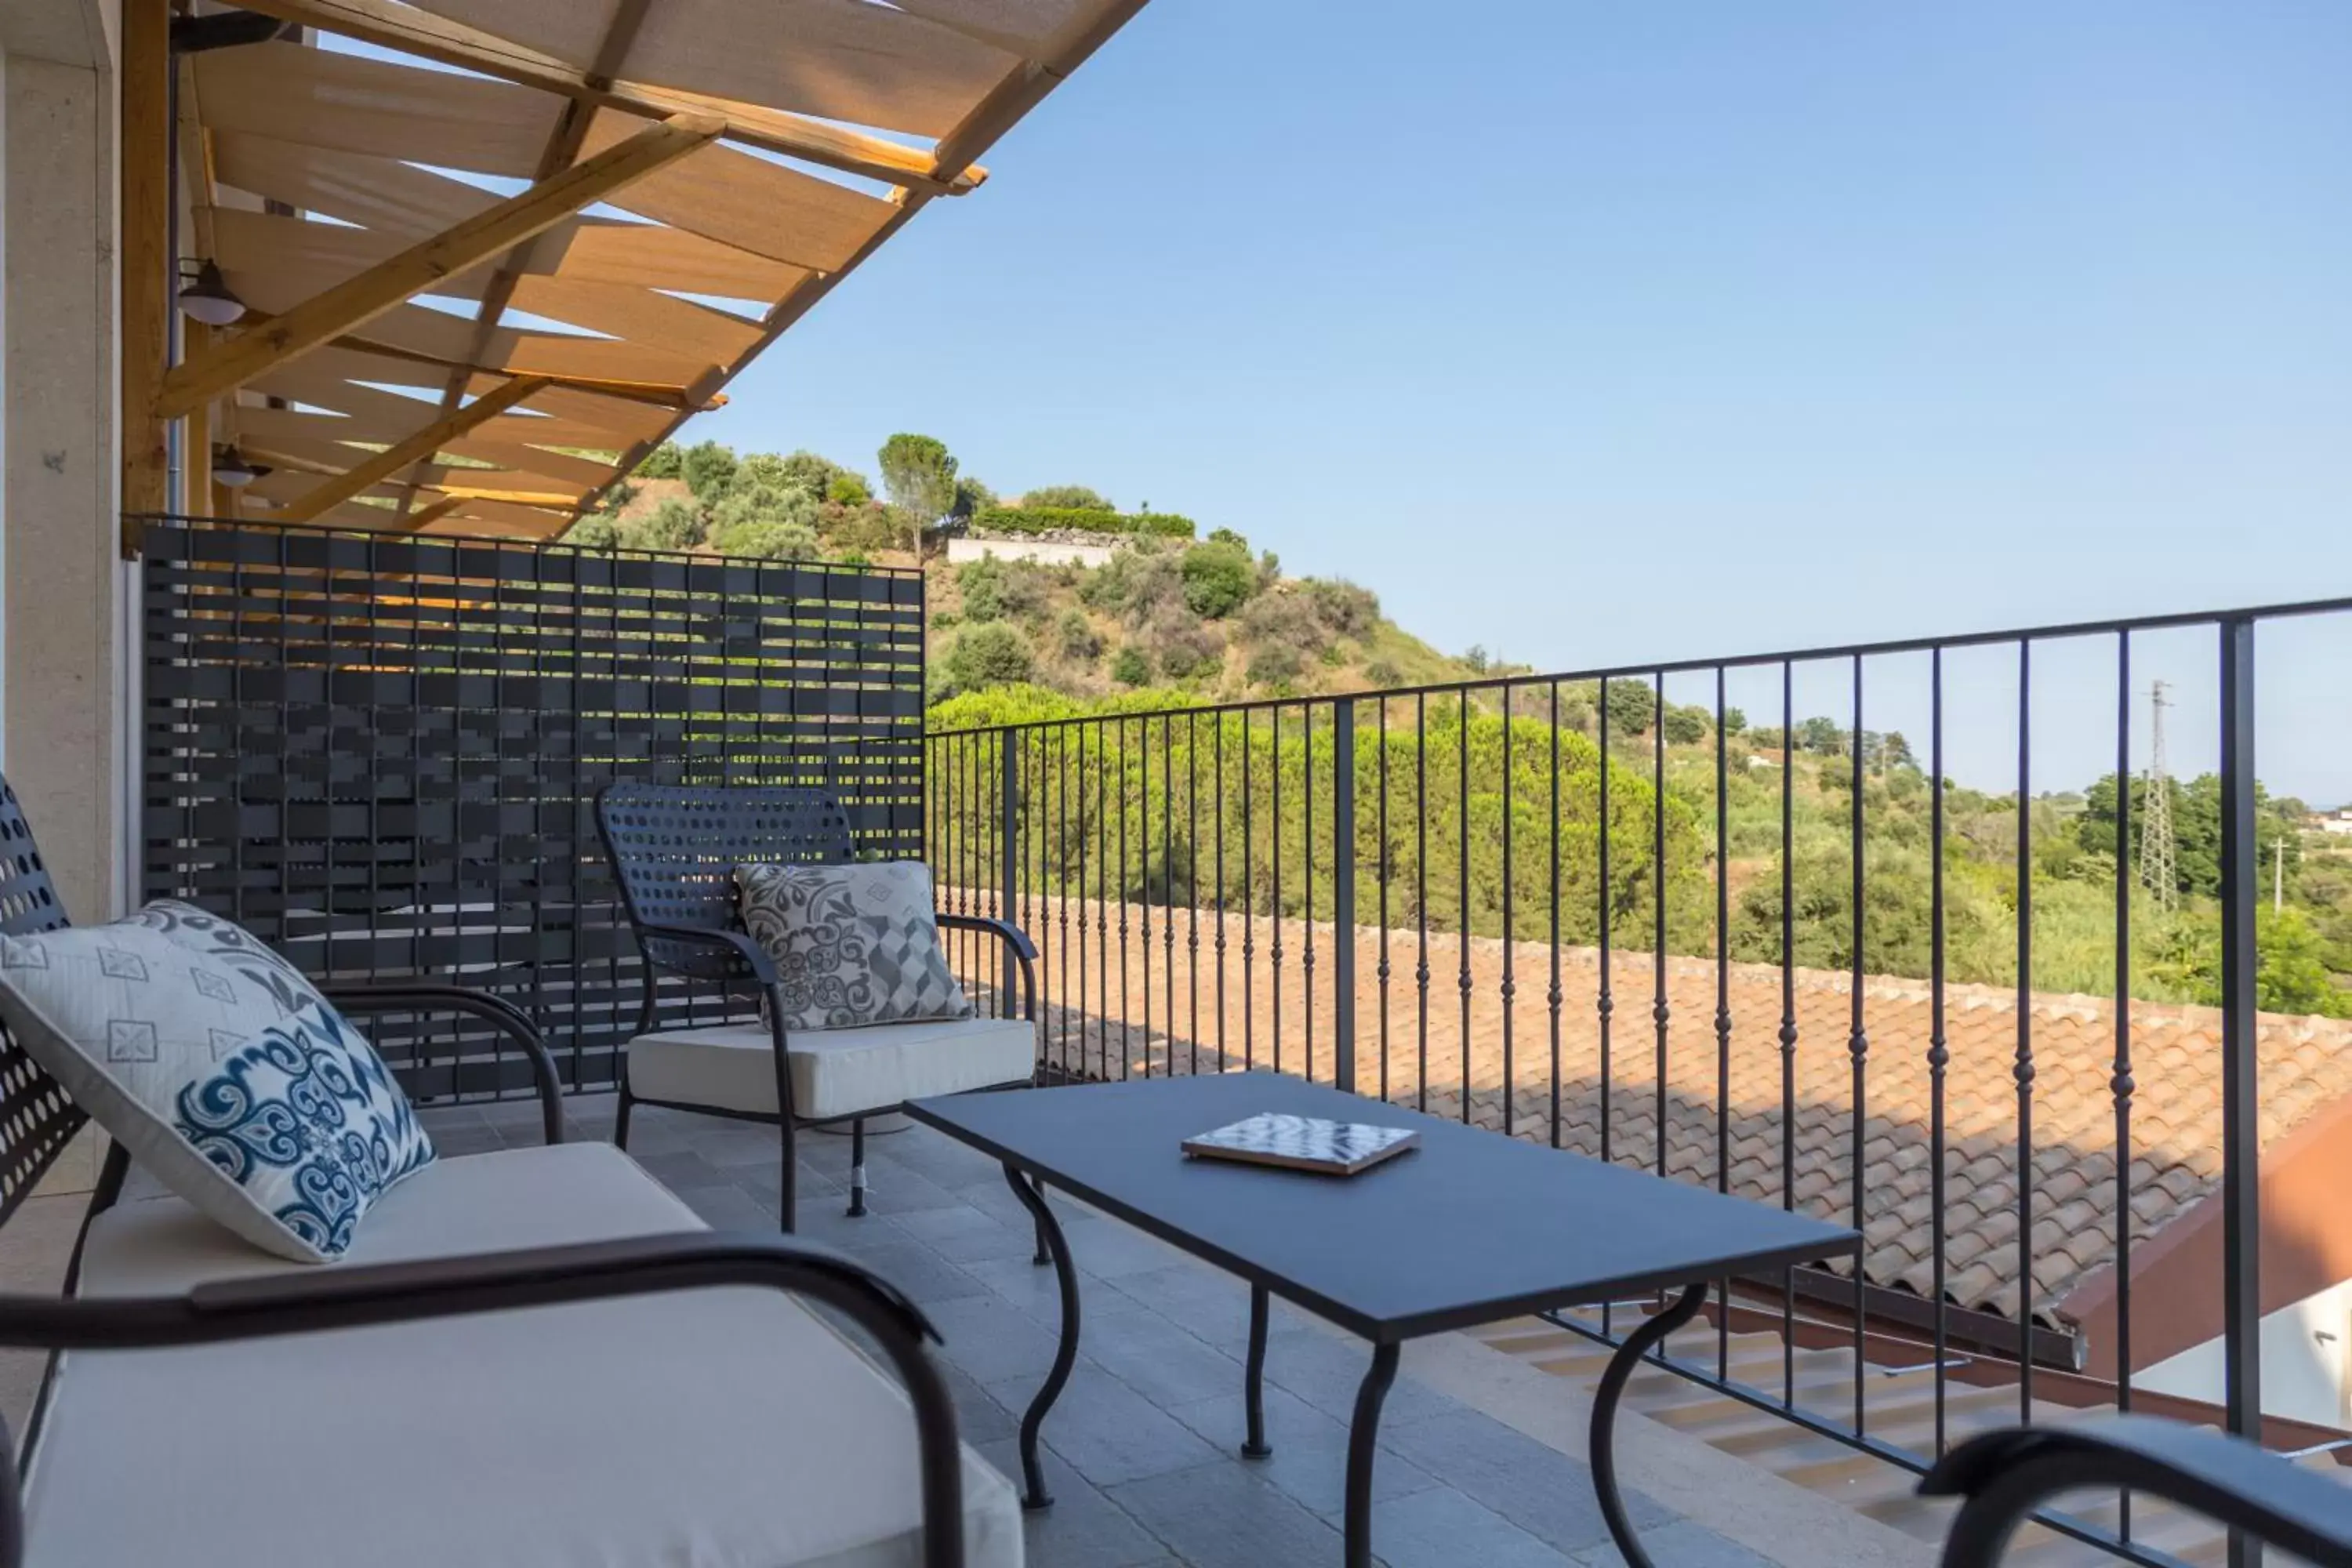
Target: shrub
(1137,582)
(598,530)
(991,654)
(807,472)
(1685,726)
(1344,609)
(1181,646)
(663,462)
(942,619)
(1218,580)
(1130,667)
(996,590)
(1281,620)
(1075,497)
(757,519)
(1383,676)
(971,497)
(619,496)
(1080,519)
(1734,721)
(709,468)
(674,525)
(845,488)
(1275,664)
(1633,708)
(1080,643)
(1227,536)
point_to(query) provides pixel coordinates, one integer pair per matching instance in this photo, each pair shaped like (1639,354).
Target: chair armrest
(1016,944)
(335,1297)
(510,1019)
(2004,1476)
(753,956)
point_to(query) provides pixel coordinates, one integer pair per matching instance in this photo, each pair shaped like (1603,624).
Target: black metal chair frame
(2003,1477)
(674,850)
(38,1121)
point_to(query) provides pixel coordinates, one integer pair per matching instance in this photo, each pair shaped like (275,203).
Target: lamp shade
(233,468)
(208,299)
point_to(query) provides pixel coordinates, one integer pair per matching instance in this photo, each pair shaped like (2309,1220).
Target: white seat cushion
(718,1428)
(835,1072)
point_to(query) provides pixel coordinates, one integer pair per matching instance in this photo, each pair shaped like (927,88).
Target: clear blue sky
(1597,334)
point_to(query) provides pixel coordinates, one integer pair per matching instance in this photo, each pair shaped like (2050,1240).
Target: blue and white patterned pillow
(220,1069)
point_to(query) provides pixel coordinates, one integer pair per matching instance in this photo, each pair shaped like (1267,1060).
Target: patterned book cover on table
(1304,1143)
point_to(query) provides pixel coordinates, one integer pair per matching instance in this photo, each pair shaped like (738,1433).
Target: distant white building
(2337,821)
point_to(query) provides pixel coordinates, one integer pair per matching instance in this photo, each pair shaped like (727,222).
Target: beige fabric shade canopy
(671,183)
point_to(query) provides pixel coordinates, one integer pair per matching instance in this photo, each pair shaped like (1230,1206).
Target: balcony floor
(1142,1446)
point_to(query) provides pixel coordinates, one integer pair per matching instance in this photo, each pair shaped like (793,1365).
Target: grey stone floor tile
(1212,1305)
(893,1188)
(825,1217)
(725,1207)
(727,1143)
(1326,1370)
(1440,1528)
(965,1234)
(1222,1516)
(1084,1528)
(930,1281)
(1311,1450)
(1107,1432)
(1033,1289)
(980,1417)
(681,1170)
(1108,1250)
(995,1343)
(1543,1492)
(766,1182)
(1683,1544)
(1154,1357)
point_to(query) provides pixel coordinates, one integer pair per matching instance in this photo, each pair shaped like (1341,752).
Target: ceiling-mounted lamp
(209,299)
(233,469)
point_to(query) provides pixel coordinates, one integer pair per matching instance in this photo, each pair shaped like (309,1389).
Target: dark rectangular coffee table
(1471,1227)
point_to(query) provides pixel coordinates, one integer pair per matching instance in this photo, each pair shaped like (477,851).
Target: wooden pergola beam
(393,281)
(775,131)
(661,394)
(433,513)
(416,448)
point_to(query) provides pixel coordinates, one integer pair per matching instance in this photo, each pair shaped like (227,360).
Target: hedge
(1080,519)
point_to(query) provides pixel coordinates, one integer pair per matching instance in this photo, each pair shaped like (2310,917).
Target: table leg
(1253,1391)
(1603,1446)
(1363,1442)
(1049,1230)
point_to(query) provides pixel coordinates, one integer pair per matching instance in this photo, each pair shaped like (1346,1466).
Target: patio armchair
(674,850)
(2002,1476)
(520,1360)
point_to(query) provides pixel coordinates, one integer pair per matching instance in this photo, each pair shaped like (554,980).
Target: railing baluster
(1275,955)
(1168,880)
(1192,884)
(1102,888)
(2023,1070)
(1382,864)
(1722,1003)
(1857,1045)
(1462,868)
(1126,1025)
(1306,854)
(1554,996)
(1220,771)
(1660,1012)
(1788,1017)
(2121,1083)
(1938,1048)
(1421,871)
(1062,878)
(2242,1361)
(1143,865)
(1604,1003)
(1510,931)
(1249,917)
(1343,896)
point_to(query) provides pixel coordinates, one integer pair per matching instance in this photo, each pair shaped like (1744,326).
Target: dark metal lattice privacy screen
(381,753)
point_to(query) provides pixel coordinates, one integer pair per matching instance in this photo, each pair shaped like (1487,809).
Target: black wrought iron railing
(1722,920)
